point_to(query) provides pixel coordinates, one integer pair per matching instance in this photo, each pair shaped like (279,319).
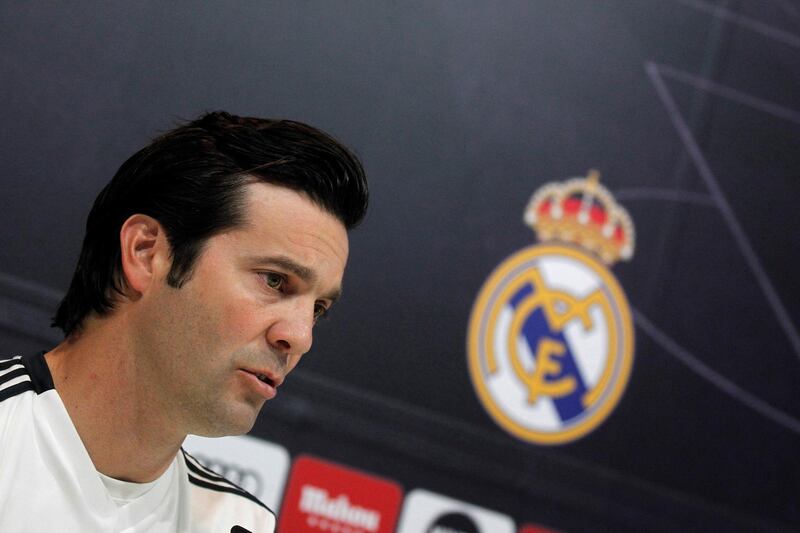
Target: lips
(265,379)
(264,382)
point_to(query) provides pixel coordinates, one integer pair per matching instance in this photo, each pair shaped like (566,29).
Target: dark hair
(191,179)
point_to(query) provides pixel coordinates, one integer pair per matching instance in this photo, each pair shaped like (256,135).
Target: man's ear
(144,253)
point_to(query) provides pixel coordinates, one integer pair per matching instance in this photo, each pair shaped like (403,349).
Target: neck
(123,422)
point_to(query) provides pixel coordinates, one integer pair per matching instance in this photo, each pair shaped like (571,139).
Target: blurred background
(460,111)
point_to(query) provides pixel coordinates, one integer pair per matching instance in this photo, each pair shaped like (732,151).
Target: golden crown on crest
(583,212)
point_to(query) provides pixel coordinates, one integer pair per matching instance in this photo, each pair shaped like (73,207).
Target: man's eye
(319,311)
(273,280)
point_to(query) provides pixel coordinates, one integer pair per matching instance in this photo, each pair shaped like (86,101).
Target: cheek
(239,322)
(224,306)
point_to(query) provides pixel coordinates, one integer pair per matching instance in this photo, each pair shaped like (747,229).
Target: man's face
(248,310)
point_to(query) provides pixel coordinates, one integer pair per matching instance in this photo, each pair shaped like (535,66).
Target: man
(207,260)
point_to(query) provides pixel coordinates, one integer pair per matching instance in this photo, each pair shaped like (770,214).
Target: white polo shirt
(48,482)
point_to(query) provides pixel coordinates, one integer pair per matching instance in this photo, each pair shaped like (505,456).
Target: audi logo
(248,479)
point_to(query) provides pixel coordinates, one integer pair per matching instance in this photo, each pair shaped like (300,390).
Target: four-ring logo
(246,478)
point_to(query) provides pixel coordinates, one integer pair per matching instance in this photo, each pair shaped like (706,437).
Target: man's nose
(291,330)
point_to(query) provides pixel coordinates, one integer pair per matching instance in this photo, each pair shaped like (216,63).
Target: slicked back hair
(192,180)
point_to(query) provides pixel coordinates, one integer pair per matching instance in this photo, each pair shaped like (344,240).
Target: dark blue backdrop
(691,110)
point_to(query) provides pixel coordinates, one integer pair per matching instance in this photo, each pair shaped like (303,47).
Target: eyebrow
(303,272)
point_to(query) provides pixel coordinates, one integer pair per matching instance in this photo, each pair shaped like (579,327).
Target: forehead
(274,215)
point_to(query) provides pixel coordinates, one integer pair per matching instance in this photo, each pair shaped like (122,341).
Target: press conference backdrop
(461,111)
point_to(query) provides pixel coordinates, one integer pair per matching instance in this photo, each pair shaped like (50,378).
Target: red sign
(529,528)
(326,497)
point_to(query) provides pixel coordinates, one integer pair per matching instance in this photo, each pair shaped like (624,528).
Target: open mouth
(266,385)
(265,379)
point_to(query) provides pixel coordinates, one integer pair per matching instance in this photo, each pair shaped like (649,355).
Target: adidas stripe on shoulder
(20,374)
(14,378)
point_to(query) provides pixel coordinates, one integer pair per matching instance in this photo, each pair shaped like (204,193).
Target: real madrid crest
(550,342)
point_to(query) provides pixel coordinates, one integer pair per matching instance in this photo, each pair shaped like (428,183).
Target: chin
(235,422)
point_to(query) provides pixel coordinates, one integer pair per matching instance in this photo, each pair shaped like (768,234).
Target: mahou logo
(323,496)
(317,501)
